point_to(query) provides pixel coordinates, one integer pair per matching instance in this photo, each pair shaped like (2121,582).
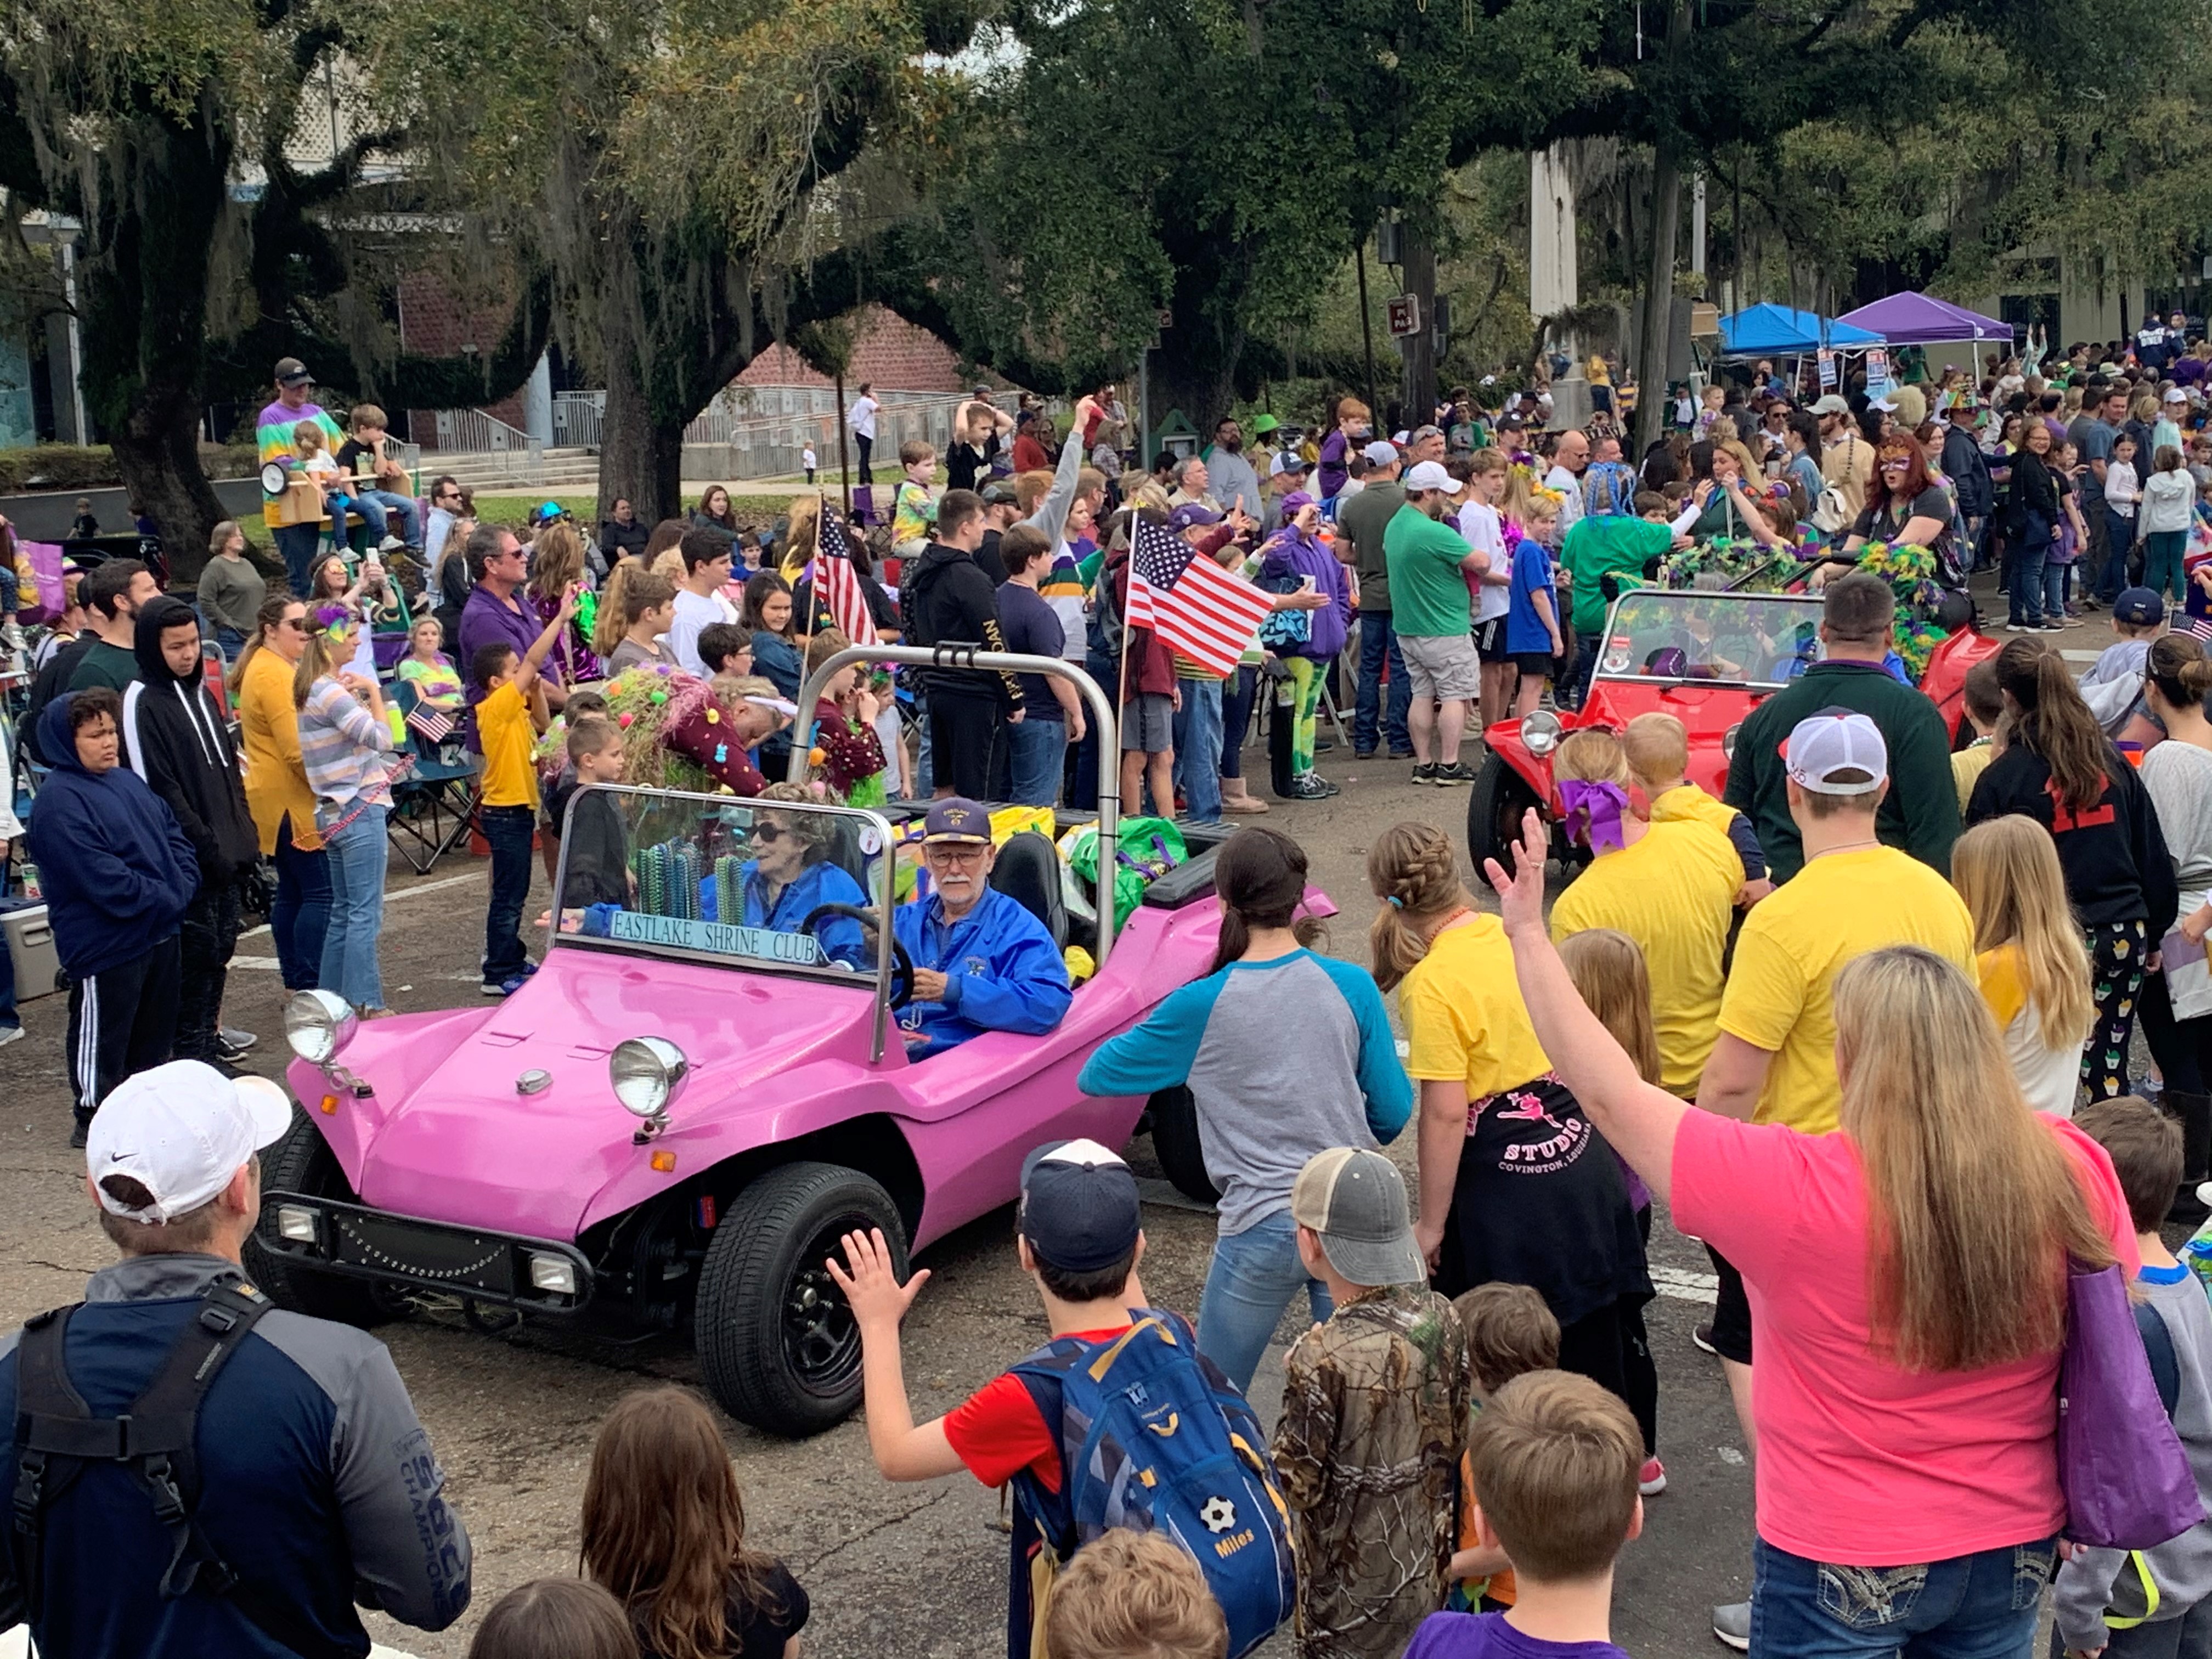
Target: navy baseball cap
(2137,606)
(955,818)
(1079,1210)
(1190,514)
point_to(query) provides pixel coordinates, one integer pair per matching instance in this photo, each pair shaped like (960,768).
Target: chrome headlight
(318,1023)
(1729,737)
(646,1072)
(1541,732)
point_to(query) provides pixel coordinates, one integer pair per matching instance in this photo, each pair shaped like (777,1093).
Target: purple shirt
(1488,1635)
(485,620)
(1292,552)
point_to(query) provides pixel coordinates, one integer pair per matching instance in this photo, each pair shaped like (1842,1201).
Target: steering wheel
(901,964)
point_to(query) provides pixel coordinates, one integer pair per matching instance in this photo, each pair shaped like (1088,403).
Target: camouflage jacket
(1374,1410)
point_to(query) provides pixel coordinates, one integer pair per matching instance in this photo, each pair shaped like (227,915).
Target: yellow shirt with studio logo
(1673,892)
(1464,1016)
(1839,906)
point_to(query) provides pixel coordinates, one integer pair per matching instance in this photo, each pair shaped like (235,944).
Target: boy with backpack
(1118,1382)
(1374,1407)
(2159,1599)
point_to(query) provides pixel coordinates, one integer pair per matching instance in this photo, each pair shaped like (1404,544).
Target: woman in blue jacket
(1287,1053)
(790,873)
(118,874)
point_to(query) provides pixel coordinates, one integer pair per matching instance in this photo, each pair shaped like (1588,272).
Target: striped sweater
(343,746)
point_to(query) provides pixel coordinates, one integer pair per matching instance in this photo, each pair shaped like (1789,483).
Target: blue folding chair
(435,805)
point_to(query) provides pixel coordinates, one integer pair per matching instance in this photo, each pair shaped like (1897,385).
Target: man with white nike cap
(192,1470)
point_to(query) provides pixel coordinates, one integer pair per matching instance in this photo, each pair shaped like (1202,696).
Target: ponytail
(2055,723)
(1413,869)
(1260,877)
(2180,669)
(608,630)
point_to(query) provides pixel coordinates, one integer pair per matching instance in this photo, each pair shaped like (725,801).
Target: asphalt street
(917,1570)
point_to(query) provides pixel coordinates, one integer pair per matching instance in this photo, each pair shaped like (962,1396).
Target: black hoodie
(951,601)
(174,737)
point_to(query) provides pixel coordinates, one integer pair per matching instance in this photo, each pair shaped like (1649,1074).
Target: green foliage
(93,466)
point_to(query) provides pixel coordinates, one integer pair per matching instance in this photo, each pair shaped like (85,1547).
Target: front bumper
(505,1269)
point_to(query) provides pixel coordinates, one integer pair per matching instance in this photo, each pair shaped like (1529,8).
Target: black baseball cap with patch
(1080,1208)
(290,371)
(955,818)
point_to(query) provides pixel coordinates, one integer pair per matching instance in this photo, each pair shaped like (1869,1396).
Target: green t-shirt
(107,665)
(1428,589)
(1611,544)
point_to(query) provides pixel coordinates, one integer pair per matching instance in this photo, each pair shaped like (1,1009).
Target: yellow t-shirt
(1967,766)
(504,730)
(1687,804)
(1673,892)
(1839,906)
(1464,1016)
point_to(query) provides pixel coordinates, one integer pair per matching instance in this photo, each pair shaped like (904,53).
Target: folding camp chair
(435,804)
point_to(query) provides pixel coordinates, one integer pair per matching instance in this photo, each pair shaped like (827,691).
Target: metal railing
(1005,662)
(576,419)
(517,456)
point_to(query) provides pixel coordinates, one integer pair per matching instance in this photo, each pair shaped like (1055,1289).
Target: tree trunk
(157,451)
(1417,386)
(640,459)
(1651,400)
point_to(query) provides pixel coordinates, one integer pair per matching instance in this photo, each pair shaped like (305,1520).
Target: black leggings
(1610,1348)
(966,737)
(2117,949)
(2182,1047)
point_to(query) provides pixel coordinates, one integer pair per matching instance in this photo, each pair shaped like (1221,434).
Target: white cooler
(31,947)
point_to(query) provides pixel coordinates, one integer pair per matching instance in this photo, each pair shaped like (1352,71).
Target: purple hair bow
(1592,813)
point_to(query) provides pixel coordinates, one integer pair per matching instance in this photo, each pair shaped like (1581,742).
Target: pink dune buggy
(669,1126)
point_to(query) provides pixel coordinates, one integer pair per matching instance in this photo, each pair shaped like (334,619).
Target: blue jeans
(1238,693)
(300,916)
(2120,541)
(298,544)
(1037,751)
(1971,1607)
(1377,638)
(376,507)
(1586,650)
(1198,749)
(507,828)
(231,640)
(357,856)
(1252,1278)
(2054,589)
(2024,556)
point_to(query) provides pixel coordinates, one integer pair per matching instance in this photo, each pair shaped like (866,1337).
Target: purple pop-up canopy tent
(1923,319)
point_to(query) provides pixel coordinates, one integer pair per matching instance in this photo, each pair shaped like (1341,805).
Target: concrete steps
(557,469)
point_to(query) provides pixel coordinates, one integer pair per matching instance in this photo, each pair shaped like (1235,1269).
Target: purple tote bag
(2120,1464)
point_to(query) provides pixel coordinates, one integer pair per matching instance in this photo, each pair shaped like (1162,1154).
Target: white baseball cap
(1836,754)
(1430,475)
(181,1131)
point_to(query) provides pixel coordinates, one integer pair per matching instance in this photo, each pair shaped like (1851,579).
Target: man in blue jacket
(119,874)
(982,961)
(304,1482)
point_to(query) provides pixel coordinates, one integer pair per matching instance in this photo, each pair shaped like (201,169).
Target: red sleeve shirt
(998,1433)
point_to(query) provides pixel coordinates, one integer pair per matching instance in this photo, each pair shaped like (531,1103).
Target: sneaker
(2052,626)
(1453,772)
(1362,753)
(1425,773)
(506,988)
(9,1034)
(1401,754)
(390,544)
(1333,789)
(1322,745)
(2023,628)
(229,1053)
(1703,1336)
(1651,1479)
(1308,788)
(1731,1623)
(236,1038)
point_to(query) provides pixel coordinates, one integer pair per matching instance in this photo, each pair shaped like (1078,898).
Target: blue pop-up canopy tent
(1777,331)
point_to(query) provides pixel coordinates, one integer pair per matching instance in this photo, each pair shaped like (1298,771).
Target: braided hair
(1413,869)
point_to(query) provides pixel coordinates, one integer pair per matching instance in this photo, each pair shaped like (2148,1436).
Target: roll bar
(956,655)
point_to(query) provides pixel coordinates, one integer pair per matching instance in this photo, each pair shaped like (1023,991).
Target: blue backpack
(1154,1438)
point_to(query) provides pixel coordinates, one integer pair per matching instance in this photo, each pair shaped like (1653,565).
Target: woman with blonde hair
(345,735)
(1909,1277)
(664,1529)
(1513,1183)
(2035,973)
(609,626)
(1669,887)
(802,533)
(557,561)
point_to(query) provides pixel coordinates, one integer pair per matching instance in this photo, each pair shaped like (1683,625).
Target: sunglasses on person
(769,834)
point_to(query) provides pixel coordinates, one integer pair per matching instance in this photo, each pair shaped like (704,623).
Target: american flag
(838,581)
(1190,602)
(433,725)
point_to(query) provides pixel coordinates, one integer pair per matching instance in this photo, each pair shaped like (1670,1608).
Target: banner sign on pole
(1827,369)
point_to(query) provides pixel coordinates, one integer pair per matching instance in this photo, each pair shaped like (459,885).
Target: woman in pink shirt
(1907,1278)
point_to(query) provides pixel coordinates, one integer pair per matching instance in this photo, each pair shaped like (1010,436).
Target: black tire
(1493,813)
(303,1162)
(1175,1143)
(777,1346)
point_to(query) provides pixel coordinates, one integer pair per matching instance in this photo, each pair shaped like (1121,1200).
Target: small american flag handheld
(838,580)
(433,725)
(1189,601)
